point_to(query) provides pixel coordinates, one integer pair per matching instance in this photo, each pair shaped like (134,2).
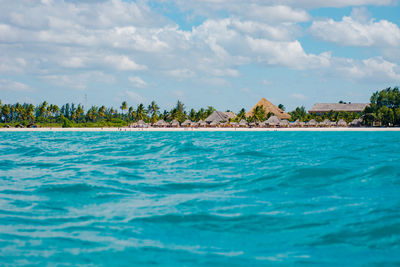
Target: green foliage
(259,114)
(384,109)
(299,113)
(67,123)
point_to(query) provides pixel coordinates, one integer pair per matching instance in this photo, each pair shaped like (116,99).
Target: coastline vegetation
(384,110)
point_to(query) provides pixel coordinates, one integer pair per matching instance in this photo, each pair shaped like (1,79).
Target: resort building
(219,116)
(321,108)
(269,108)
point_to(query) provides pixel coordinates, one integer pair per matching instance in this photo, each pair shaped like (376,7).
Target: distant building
(220,116)
(269,108)
(321,108)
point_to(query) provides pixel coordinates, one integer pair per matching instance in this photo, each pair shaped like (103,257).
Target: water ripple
(184,198)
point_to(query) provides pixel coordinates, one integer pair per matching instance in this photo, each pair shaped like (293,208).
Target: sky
(223,53)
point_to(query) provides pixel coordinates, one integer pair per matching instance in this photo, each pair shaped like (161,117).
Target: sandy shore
(335,129)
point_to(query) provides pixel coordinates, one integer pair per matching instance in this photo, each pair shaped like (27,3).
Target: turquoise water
(184,199)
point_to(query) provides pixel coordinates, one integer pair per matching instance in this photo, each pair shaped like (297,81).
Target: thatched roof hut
(284,123)
(19,126)
(175,123)
(160,123)
(252,124)
(326,123)
(33,125)
(201,123)
(269,108)
(142,124)
(234,124)
(263,124)
(337,107)
(243,123)
(187,123)
(298,123)
(342,123)
(214,123)
(220,116)
(312,123)
(356,123)
(273,121)
(7,126)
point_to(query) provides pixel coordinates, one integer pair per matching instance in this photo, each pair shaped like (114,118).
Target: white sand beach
(189,129)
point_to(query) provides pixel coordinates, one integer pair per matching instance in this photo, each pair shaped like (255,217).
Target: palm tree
(124,107)
(141,112)
(5,112)
(209,111)
(259,113)
(153,110)
(241,115)
(79,111)
(102,111)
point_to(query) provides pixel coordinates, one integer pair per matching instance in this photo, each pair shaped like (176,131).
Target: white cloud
(137,81)
(82,38)
(123,63)
(290,54)
(73,62)
(135,97)
(371,69)
(337,3)
(9,85)
(354,31)
(78,81)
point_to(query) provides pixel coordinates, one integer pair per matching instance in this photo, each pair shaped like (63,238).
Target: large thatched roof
(220,116)
(269,108)
(326,107)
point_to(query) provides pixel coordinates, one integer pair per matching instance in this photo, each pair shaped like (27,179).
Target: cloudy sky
(224,53)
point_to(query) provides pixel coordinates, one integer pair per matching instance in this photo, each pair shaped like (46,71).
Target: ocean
(200,198)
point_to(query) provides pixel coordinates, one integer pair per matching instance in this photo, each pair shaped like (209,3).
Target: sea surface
(200,198)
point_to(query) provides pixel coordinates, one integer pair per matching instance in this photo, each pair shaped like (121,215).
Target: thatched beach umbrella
(252,124)
(141,124)
(234,124)
(220,116)
(160,123)
(326,123)
(284,123)
(298,123)
(273,121)
(342,123)
(312,123)
(187,123)
(262,124)
(174,123)
(201,123)
(356,123)
(243,123)
(214,123)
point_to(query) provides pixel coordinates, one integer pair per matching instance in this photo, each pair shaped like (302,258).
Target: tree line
(384,110)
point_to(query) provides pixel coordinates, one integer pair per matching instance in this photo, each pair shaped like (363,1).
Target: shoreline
(182,129)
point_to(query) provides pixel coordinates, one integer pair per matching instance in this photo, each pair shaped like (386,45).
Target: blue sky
(224,53)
